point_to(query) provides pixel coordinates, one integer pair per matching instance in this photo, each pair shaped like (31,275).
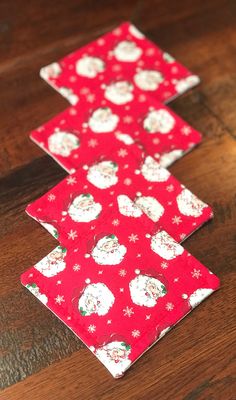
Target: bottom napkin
(120,310)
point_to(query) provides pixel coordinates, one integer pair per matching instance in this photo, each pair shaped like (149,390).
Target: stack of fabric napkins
(119,278)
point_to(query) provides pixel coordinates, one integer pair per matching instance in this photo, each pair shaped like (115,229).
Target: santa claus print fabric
(120,290)
(117,117)
(119,279)
(127,54)
(132,185)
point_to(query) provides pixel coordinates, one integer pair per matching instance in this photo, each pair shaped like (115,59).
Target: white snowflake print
(156,141)
(72,78)
(150,52)
(148,317)
(166,95)
(72,111)
(72,235)
(170,188)
(182,236)
(122,272)
(164,265)
(76,267)
(116,68)
(84,90)
(115,222)
(121,289)
(174,70)
(92,328)
(109,322)
(59,299)
(133,238)
(101,42)
(92,143)
(90,98)
(196,273)
(135,333)
(176,280)
(169,306)
(51,197)
(186,130)
(58,282)
(128,119)
(127,181)
(71,180)
(176,220)
(122,153)
(142,98)
(128,311)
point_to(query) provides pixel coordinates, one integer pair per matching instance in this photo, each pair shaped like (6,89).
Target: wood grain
(40,357)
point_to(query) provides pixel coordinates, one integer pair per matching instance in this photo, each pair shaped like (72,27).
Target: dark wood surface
(40,357)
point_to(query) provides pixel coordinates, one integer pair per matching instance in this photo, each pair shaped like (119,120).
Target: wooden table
(41,358)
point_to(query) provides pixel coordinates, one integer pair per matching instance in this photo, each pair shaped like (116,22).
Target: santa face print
(84,208)
(69,95)
(153,172)
(119,92)
(151,207)
(159,121)
(115,356)
(108,251)
(127,51)
(63,143)
(89,66)
(165,246)
(103,174)
(96,299)
(51,71)
(189,204)
(198,296)
(127,207)
(52,264)
(148,79)
(34,289)
(103,120)
(146,290)
(184,84)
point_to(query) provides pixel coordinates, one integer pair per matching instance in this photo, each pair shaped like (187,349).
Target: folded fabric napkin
(125,53)
(120,290)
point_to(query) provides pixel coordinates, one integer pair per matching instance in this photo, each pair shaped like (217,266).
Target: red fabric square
(119,290)
(113,185)
(127,54)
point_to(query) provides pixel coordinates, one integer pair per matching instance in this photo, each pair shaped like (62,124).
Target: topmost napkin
(123,53)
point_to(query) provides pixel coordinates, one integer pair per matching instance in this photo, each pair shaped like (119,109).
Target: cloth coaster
(132,185)
(127,54)
(116,117)
(120,295)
